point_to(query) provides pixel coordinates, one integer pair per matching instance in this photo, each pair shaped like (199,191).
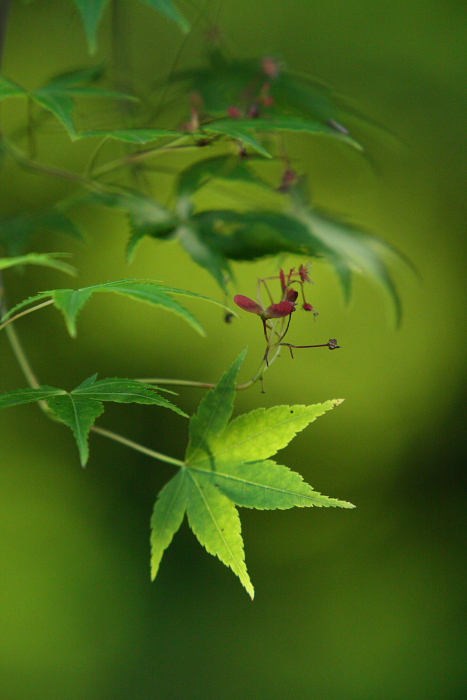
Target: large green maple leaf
(226,464)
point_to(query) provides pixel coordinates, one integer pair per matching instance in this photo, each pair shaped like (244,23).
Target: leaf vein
(234,558)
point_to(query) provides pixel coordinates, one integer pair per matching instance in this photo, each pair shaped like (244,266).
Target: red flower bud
(248,304)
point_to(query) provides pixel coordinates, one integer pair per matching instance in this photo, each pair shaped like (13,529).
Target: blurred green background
(350,605)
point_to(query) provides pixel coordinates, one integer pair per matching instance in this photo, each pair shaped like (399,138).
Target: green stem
(29,164)
(28,311)
(93,159)
(136,446)
(26,368)
(207,385)
(177,382)
(87,179)
(123,161)
(21,357)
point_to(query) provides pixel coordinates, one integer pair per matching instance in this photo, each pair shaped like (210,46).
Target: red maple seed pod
(248,304)
(284,308)
(292,295)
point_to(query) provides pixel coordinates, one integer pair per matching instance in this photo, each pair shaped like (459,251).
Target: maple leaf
(227,465)
(79,408)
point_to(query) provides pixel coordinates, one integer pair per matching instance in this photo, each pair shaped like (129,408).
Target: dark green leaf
(58,95)
(239,128)
(124,391)
(220,235)
(18,230)
(44,259)
(78,413)
(205,254)
(304,96)
(71,301)
(349,250)
(145,215)
(223,84)
(19,396)
(161,231)
(212,238)
(80,76)
(220,167)
(252,235)
(167,8)
(91,12)
(8,88)
(236,130)
(61,105)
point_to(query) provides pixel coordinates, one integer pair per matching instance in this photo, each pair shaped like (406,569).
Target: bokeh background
(350,605)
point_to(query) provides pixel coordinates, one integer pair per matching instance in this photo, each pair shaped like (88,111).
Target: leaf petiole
(138,156)
(136,446)
(28,311)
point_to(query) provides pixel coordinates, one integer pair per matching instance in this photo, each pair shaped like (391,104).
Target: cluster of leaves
(242,111)
(235,105)
(226,463)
